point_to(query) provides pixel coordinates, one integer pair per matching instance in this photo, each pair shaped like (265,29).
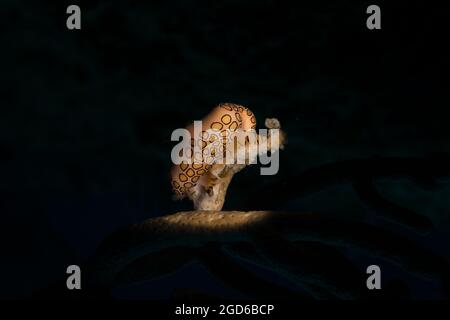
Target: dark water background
(86,116)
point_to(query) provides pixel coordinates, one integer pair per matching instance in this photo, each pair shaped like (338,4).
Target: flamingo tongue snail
(205,180)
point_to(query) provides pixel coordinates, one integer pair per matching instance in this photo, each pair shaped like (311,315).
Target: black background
(86,116)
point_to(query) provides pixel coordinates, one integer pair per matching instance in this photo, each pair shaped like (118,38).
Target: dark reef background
(86,116)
